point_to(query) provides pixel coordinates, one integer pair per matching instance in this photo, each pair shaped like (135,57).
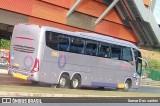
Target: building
(123,19)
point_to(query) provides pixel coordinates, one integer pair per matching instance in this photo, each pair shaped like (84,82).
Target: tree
(5,44)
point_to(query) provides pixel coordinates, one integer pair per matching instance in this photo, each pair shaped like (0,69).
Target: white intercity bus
(73,59)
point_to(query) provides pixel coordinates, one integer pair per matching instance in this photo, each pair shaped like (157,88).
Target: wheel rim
(126,86)
(62,82)
(75,83)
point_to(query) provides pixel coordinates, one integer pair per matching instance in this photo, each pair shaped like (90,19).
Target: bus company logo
(6,100)
(28,61)
(62,61)
(55,54)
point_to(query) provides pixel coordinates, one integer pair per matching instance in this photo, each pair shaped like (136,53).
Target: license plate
(20,76)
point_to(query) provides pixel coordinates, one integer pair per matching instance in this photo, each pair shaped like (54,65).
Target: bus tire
(76,81)
(127,86)
(64,81)
(34,82)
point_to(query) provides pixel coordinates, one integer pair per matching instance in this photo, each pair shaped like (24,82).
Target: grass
(52,91)
(3,67)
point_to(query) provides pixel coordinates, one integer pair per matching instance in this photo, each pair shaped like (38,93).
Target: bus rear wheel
(76,81)
(64,81)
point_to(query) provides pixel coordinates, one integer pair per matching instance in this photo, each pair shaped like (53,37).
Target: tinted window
(63,43)
(104,50)
(76,45)
(57,41)
(91,48)
(116,52)
(52,40)
(127,54)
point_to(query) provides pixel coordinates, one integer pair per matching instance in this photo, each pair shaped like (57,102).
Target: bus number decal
(55,54)
(16,65)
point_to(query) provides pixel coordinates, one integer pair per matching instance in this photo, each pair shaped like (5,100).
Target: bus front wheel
(64,81)
(34,82)
(127,86)
(76,81)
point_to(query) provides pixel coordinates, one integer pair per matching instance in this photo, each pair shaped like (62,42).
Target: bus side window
(52,40)
(115,52)
(77,45)
(63,42)
(91,48)
(104,50)
(127,54)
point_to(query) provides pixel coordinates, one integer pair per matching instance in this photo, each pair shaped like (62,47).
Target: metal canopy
(141,21)
(139,17)
(73,7)
(106,11)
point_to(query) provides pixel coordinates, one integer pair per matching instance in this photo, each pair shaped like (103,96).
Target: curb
(3,71)
(157,86)
(24,94)
(150,83)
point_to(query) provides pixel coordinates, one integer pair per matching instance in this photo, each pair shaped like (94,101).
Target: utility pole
(152,5)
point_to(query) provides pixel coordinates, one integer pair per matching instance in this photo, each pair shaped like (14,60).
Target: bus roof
(108,39)
(92,36)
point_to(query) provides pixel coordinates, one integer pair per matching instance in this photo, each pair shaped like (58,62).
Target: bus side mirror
(146,64)
(145,61)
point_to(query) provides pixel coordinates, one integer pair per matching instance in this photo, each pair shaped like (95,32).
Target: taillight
(9,61)
(36,66)
(17,24)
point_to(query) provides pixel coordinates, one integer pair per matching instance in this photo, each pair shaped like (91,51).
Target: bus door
(138,67)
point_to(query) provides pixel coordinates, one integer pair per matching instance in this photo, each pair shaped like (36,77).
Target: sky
(156,11)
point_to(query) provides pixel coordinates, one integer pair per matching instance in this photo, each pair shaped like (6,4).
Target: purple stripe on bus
(105,85)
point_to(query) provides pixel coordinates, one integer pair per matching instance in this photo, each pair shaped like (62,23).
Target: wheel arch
(128,80)
(67,80)
(76,73)
(67,73)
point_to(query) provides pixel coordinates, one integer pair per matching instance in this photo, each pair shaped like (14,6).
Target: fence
(154,75)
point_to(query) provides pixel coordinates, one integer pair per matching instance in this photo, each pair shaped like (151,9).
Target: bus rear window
(52,40)
(57,41)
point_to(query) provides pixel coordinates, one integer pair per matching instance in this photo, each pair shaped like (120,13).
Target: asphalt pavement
(147,89)
(8,80)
